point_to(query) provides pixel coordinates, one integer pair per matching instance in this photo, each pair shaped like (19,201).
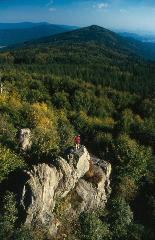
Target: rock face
(25,139)
(68,181)
(94,190)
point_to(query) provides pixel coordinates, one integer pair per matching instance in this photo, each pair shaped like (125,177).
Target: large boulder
(49,186)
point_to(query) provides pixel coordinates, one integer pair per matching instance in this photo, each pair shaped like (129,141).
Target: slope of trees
(106,97)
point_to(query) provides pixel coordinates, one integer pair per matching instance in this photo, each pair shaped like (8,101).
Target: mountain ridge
(140,37)
(101,36)
(21,25)
(18,33)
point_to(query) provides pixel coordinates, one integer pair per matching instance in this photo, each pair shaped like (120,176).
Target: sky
(130,15)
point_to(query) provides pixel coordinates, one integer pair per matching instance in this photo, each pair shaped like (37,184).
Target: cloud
(50,3)
(50,6)
(52,9)
(102,5)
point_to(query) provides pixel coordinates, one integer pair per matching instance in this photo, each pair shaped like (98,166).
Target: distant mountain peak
(95,27)
(91,34)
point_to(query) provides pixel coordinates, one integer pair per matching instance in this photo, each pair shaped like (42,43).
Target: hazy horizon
(69,25)
(133,15)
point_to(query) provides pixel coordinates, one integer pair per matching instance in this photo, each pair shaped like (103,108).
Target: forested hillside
(91,54)
(103,92)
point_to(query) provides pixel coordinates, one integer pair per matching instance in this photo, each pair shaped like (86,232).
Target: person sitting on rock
(77,142)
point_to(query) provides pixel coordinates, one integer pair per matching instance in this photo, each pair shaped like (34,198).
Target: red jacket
(77,139)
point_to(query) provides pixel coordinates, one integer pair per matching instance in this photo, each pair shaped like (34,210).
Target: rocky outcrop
(69,181)
(95,190)
(39,192)
(25,139)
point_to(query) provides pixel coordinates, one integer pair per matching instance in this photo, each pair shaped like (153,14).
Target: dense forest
(105,93)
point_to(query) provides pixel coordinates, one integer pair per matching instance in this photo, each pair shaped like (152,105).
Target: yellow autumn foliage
(45,134)
(42,116)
